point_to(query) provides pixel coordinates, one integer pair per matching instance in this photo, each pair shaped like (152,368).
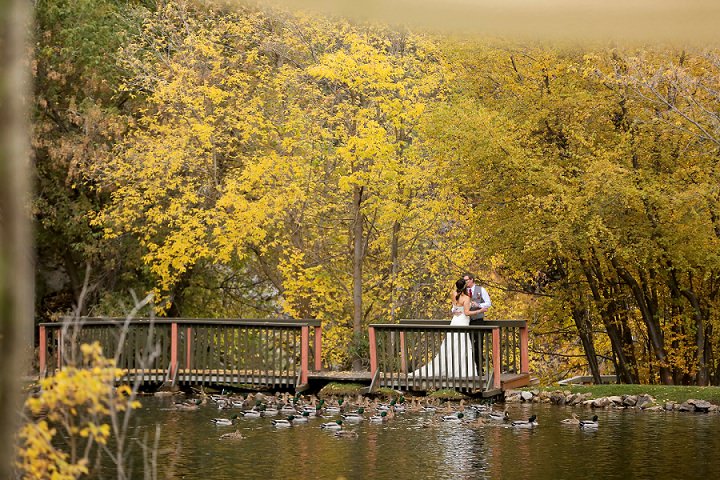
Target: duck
(287,409)
(478,422)
(303,418)
(498,416)
(453,418)
(589,424)
(571,421)
(269,412)
(529,423)
(188,406)
(236,435)
(354,417)
(481,408)
(251,413)
(335,409)
(379,418)
(283,422)
(224,422)
(346,434)
(336,425)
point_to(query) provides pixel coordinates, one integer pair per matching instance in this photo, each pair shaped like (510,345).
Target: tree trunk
(618,332)
(584,328)
(647,303)
(16,275)
(358,253)
(394,258)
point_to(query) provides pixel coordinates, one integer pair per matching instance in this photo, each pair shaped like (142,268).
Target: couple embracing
(469,304)
(460,353)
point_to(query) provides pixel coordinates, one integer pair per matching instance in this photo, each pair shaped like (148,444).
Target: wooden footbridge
(281,353)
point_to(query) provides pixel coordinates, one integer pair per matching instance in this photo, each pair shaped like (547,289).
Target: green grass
(662,393)
(446,394)
(340,389)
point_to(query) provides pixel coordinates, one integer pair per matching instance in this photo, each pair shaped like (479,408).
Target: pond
(627,444)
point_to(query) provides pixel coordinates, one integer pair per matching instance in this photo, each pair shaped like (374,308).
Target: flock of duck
(300,409)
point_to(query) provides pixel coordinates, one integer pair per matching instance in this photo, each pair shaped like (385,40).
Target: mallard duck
(571,421)
(478,422)
(400,406)
(236,435)
(224,422)
(269,412)
(336,425)
(529,423)
(453,418)
(481,408)
(303,418)
(346,434)
(354,417)
(589,424)
(382,417)
(499,416)
(188,406)
(287,409)
(251,413)
(283,422)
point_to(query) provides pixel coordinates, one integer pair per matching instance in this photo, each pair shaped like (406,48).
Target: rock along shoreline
(638,402)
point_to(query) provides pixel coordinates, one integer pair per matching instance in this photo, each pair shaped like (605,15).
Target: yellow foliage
(75,404)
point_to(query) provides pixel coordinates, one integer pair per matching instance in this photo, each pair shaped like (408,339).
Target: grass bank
(662,393)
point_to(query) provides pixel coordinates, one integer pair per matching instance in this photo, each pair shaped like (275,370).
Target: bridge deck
(271,378)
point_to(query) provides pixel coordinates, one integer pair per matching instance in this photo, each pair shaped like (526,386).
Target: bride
(455,357)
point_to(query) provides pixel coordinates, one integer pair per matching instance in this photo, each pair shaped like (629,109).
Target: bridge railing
(193,351)
(413,355)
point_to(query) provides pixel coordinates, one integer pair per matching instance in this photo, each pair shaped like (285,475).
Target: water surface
(628,444)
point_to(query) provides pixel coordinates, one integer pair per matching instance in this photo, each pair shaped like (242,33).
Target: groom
(480,304)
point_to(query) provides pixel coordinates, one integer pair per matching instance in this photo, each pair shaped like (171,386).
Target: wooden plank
(510,381)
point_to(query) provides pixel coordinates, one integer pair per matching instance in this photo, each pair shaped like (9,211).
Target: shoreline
(642,401)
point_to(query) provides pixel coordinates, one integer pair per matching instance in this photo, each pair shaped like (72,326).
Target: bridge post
(496,358)
(524,359)
(318,348)
(173,350)
(188,349)
(403,356)
(304,353)
(373,350)
(43,351)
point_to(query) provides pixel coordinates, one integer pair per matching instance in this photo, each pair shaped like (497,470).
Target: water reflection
(627,444)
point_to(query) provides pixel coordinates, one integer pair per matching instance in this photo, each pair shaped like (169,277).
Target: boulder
(644,401)
(526,396)
(616,399)
(685,407)
(700,405)
(601,402)
(629,400)
(515,398)
(557,398)
(669,406)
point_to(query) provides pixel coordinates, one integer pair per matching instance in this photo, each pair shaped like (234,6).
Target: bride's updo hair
(459,288)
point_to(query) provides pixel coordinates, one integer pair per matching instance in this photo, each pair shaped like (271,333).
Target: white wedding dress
(455,357)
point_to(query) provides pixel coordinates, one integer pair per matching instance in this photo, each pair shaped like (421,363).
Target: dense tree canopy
(251,162)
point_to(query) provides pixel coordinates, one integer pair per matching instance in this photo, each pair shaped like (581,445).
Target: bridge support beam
(524,357)
(43,352)
(318,348)
(304,354)
(173,351)
(497,383)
